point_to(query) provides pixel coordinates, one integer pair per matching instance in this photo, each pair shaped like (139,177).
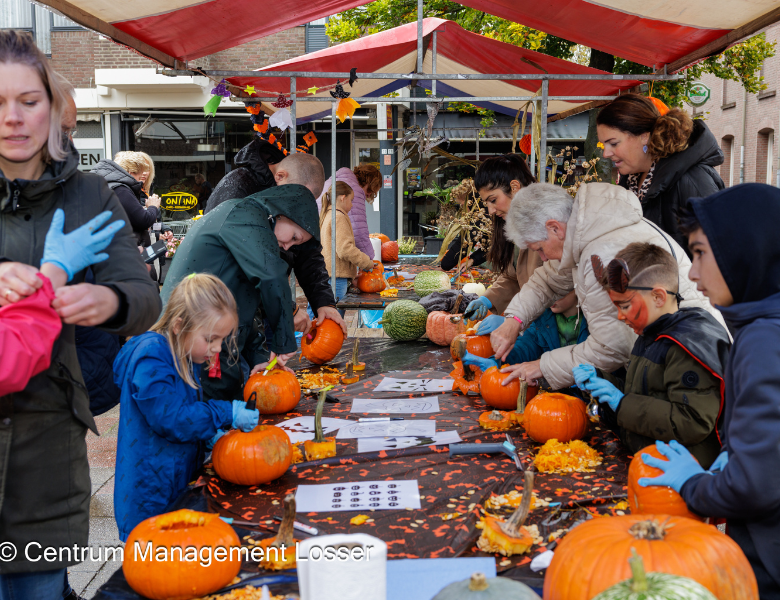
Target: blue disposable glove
(583,374)
(680,467)
(483,363)
(480,306)
(490,324)
(720,462)
(243,418)
(78,249)
(604,391)
(213,440)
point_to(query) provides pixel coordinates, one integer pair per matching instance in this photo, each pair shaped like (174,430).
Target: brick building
(747,130)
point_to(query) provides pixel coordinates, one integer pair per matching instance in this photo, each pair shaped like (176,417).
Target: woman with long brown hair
(497,180)
(663,156)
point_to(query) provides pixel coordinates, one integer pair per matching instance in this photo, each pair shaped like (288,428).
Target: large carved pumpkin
(594,556)
(442,327)
(478,345)
(380,236)
(276,393)
(258,456)
(323,342)
(653,499)
(500,396)
(390,252)
(555,416)
(177,578)
(373,282)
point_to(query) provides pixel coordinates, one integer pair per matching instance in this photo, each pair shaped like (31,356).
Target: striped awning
(650,32)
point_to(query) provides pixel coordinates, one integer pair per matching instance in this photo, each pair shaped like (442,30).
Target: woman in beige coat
(349,258)
(565,232)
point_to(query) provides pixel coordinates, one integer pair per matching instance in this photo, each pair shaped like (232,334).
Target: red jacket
(28,330)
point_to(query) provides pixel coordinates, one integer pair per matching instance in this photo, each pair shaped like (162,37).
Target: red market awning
(654,32)
(458,52)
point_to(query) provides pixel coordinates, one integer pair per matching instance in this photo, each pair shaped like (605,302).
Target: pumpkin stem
(455,308)
(639,578)
(496,415)
(516,521)
(355,349)
(648,530)
(318,417)
(478,582)
(285,535)
(521,397)
(460,351)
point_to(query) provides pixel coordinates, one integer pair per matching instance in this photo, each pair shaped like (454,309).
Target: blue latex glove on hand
(490,324)
(368,269)
(483,363)
(583,374)
(680,467)
(78,249)
(604,391)
(213,440)
(243,418)
(719,463)
(480,306)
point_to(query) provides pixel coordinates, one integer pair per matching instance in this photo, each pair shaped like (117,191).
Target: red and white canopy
(458,52)
(650,32)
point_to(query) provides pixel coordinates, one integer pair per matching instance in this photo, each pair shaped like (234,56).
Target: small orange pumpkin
(276,393)
(496,419)
(380,236)
(653,499)
(373,282)
(395,278)
(478,345)
(178,578)
(279,551)
(323,342)
(555,416)
(390,252)
(252,458)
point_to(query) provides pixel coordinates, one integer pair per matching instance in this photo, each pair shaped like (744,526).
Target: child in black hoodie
(736,263)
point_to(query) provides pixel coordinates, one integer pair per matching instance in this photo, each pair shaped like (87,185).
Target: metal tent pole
(292,150)
(533,152)
(333,197)
(433,64)
(419,35)
(543,133)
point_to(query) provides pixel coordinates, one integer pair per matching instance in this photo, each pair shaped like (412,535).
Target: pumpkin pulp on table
(320,447)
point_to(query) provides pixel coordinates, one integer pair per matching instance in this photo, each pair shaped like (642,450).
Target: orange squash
(390,252)
(654,499)
(380,236)
(252,458)
(555,416)
(276,393)
(323,342)
(594,556)
(478,345)
(177,578)
(279,551)
(442,327)
(373,282)
(496,419)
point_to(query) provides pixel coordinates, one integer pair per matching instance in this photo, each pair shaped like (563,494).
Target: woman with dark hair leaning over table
(497,181)
(44,478)
(663,156)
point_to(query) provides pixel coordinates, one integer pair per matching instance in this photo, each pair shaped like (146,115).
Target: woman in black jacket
(663,158)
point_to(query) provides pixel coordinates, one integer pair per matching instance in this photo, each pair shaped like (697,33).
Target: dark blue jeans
(41,585)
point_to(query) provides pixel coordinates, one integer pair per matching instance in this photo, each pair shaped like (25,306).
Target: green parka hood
(293,201)
(56,173)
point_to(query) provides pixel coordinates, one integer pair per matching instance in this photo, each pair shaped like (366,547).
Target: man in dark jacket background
(259,166)
(741,277)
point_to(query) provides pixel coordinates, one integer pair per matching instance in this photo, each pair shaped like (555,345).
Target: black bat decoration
(352,76)
(339,91)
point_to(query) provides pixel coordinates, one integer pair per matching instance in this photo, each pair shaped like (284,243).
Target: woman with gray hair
(566,232)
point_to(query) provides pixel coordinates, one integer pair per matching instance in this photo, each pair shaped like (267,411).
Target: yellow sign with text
(174,201)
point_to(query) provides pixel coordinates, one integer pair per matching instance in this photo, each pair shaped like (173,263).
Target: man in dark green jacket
(674,383)
(239,243)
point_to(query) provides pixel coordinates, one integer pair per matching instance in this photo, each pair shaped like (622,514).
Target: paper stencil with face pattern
(390,384)
(388,429)
(302,428)
(395,405)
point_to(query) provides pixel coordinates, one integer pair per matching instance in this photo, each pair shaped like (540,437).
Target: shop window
(764,155)
(727,168)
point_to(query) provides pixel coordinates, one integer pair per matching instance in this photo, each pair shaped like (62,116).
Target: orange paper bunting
(346,108)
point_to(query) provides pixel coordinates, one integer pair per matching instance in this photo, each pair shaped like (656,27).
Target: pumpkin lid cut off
(279,551)
(320,447)
(510,537)
(356,364)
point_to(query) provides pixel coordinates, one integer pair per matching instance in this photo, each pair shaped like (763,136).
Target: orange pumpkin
(495,394)
(380,236)
(594,556)
(323,342)
(659,104)
(276,393)
(478,345)
(177,578)
(395,278)
(463,382)
(373,282)
(279,551)
(555,416)
(525,145)
(390,252)
(258,456)
(496,419)
(442,327)
(653,499)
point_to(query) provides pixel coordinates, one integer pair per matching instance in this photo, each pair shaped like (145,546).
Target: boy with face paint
(674,381)
(736,264)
